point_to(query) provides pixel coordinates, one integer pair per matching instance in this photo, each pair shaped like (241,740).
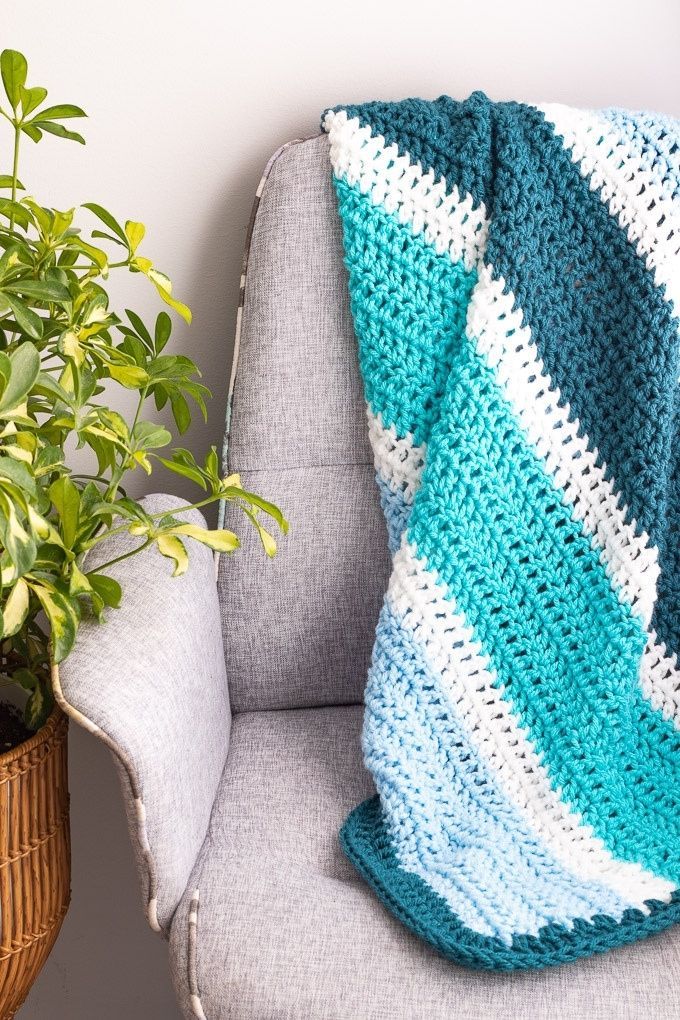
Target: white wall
(186,102)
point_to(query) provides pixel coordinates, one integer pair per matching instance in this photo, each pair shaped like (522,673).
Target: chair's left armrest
(151,683)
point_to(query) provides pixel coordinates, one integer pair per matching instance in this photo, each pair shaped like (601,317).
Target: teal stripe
(409,306)
(491,523)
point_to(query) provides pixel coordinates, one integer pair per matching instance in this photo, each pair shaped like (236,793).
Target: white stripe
(660,679)
(398,461)
(630,560)
(447,641)
(449,222)
(634,197)
(495,325)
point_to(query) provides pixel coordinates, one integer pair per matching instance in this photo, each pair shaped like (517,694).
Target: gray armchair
(236,778)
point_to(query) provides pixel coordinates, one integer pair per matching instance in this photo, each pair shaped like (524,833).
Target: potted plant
(63,351)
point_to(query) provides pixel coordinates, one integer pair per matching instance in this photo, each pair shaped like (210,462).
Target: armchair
(236,723)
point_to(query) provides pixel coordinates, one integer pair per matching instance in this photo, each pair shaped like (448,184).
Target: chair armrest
(151,683)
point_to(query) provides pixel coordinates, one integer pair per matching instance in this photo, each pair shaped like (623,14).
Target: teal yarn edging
(366,843)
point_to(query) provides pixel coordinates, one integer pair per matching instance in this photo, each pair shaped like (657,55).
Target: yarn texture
(514,274)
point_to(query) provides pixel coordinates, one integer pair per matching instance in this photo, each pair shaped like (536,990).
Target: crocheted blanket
(514,274)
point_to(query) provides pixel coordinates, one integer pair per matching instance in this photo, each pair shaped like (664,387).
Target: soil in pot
(12,729)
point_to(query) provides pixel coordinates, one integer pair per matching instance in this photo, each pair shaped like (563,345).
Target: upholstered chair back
(298,629)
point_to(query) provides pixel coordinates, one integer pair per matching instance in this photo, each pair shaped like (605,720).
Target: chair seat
(285,930)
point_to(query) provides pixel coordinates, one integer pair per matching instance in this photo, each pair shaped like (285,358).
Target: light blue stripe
(451,824)
(653,140)
(397,509)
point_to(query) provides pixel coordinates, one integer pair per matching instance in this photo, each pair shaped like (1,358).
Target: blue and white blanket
(514,274)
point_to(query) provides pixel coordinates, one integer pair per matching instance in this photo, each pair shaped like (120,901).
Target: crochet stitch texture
(514,274)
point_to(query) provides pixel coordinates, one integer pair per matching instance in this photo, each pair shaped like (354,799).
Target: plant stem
(112,490)
(189,506)
(160,513)
(124,556)
(15,170)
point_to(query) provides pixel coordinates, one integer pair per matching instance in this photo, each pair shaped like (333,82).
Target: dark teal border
(366,842)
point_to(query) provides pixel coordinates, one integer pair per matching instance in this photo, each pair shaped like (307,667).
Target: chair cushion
(298,630)
(285,929)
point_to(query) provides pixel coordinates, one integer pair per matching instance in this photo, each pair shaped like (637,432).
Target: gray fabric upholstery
(286,929)
(299,628)
(298,399)
(299,631)
(152,681)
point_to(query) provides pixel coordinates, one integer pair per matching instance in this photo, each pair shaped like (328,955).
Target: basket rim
(41,736)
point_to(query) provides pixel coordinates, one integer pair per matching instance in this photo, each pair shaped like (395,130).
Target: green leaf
(47,386)
(263,504)
(109,591)
(31,98)
(109,237)
(24,369)
(96,255)
(39,290)
(171,547)
(164,288)
(48,459)
(199,394)
(129,375)
(162,284)
(180,412)
(139,328)
(62,616)
(18,543)
(116,422)
(15,609)
(134,233)
(21,215)
(32,131)
(268,541)
(133,346)
(18,474)
(105,216)
(162,331)
(212,464)
(25,678)
(26,319)
(61,223)
(149,436)
(66,499)
(42,216)
(56,129)
(43,529)
(6,182)
(79,583)
(69,345)
(61,112)
(220,540)
(185,470)
(39,705)
(14,69)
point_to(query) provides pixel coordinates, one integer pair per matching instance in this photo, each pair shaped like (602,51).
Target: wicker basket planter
(35,857)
